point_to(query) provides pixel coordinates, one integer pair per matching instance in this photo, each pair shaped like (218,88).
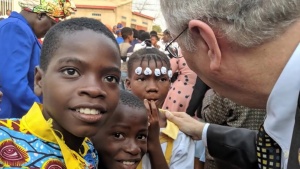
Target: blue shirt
(19,55)
(120,40)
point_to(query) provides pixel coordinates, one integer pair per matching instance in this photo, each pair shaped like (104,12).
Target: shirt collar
(171,130)
(282,103)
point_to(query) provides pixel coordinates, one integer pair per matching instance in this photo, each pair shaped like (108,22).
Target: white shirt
(183,153)
(281,107)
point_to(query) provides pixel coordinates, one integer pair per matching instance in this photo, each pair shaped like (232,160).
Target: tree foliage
(156,28)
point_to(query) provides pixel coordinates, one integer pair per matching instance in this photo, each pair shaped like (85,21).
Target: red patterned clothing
(30,143)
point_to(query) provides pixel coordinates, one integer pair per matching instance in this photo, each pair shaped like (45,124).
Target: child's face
(149,87)
(153,40)
(81,83)
(122,140)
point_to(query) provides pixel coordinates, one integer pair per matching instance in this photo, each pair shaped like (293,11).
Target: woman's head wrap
(55,9)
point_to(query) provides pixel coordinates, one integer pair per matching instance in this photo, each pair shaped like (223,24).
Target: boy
(79,65)
(122,140)
(127,35)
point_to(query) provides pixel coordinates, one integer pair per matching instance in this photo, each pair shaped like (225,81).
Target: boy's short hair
(126,32)
(130,100)
(135,33)
(166,32)
(155,37)
(144,36)
(54,36)
(153,33)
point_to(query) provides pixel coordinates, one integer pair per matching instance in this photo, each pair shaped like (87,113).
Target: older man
(248,51)
(20,51)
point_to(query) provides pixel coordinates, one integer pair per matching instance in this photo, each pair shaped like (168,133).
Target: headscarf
(55,9)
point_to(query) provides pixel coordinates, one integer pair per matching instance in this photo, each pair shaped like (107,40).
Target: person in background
(248,52)
(119,34)
(119,38)
(143,37)
(181,90)
(153,33)
(154,41)
(134,41)
(223,111)
(114,29)
(127,35)
(7,14)
(20,51)
(165,40)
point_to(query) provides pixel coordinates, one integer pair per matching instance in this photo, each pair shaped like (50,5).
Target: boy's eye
(118,135)
(142,137)
(70,72)
(111,79)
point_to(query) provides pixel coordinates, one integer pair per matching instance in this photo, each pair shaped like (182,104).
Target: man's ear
(127,84)
(200,30)
(38,81)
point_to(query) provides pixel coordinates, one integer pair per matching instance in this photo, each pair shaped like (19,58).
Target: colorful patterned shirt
(25,144)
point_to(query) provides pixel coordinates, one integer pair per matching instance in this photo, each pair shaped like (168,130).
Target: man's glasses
(173,51)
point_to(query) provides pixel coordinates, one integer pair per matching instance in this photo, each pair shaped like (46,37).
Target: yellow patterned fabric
(36,144)
(55,9)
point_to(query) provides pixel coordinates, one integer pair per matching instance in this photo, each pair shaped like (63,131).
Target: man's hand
(186,124)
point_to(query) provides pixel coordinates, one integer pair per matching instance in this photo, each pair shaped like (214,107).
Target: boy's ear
(127,84)
(38,77)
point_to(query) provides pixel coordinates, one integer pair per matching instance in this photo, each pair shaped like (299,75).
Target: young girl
(149,76)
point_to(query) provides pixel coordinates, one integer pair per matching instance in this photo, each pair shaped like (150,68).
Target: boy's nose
(92,88)
(132,147)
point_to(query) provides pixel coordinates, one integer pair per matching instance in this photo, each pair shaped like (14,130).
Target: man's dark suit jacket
(233,145)
(237,146)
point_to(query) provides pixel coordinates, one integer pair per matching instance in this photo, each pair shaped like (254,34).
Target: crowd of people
(219,90)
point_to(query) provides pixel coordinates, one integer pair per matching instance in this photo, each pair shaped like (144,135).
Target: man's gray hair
(246,23)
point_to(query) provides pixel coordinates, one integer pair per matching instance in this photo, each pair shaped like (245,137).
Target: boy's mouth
(88,111)
(129,164)
(91,114)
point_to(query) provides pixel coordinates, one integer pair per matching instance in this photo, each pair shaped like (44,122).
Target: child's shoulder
(11,124)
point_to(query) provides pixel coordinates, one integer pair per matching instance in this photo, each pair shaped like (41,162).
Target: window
(123,17)
(145,23)
(96,14)
(133,20)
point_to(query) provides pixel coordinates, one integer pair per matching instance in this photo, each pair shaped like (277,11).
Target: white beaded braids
(148,53)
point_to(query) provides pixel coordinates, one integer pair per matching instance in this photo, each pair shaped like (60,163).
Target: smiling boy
(122,140)
(79,66)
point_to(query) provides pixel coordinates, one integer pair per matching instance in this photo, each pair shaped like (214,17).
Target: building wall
(122,13)
(118,11)
(105,16)
(141,23)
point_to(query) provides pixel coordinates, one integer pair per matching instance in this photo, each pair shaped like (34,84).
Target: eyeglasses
(172,50)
